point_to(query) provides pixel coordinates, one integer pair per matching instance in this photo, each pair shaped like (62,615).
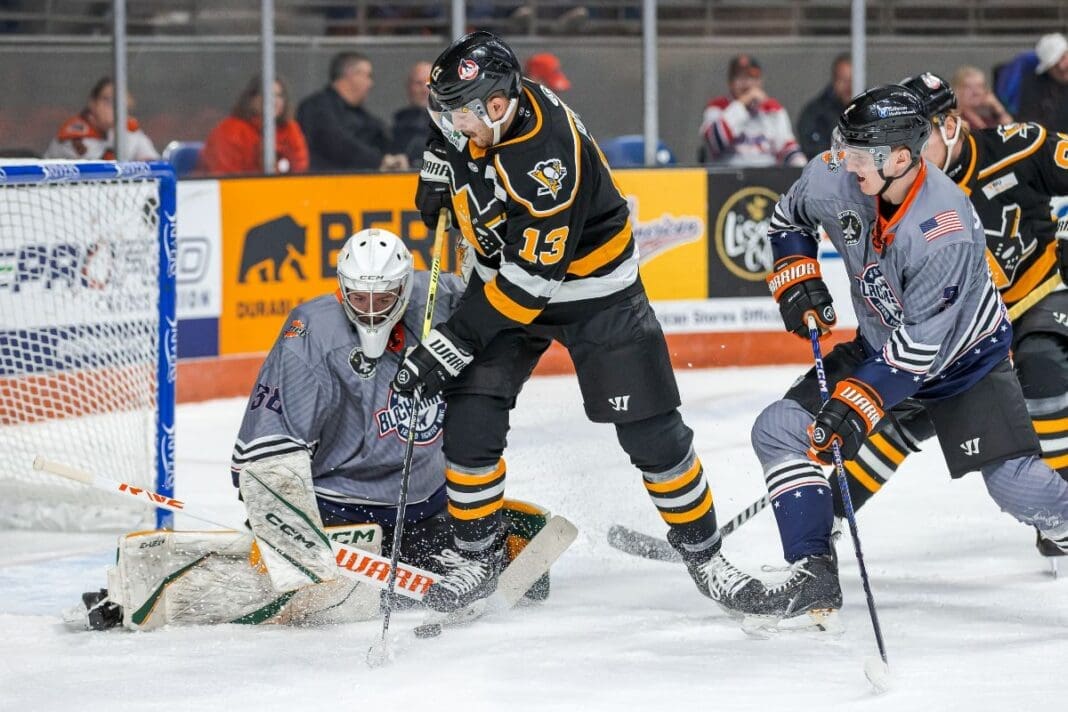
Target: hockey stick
(631,541)
(878,674)
(353,563)
(1037,294)
(382,650)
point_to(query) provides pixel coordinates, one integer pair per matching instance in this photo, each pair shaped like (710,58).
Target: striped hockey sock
(476,498)
(875,463)
(684,500)
(1052,429)
(803,505)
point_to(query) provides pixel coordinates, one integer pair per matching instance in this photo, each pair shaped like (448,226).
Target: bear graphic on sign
(271,245)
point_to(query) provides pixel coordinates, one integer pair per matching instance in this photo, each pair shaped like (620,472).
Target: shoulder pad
(1021,135)
(541,170)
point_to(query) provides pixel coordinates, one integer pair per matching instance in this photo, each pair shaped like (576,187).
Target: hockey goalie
(318,463)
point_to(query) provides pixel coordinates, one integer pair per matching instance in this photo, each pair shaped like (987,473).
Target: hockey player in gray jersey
(319,454)
(932,327)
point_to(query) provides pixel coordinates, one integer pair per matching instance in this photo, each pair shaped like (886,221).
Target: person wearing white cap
(1044,96)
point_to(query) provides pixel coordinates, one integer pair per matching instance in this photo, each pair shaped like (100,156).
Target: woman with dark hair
(90,135)
(235,144)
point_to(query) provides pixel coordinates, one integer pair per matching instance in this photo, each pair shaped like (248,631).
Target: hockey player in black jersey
(532,195)
(1010,173)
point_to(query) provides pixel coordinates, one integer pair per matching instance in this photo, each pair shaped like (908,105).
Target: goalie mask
(374,270)
(464,77)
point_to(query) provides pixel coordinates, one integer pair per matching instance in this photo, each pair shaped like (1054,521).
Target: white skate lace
(723,576)
(464,573)
(796,569)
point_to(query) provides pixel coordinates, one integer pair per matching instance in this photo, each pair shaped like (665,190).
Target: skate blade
(461,617)
(818,620)
(76,619)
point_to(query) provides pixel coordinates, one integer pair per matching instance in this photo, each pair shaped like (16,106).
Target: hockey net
(87,339)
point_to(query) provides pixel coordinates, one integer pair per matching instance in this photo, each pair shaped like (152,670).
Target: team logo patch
(742,232)
(879,295)
(549,175)
(296,328)
(1009,131)
(950,295)
(397,415)
(468,69)
(852,226)
(361,365)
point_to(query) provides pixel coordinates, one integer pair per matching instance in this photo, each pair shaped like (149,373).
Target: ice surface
(971,619)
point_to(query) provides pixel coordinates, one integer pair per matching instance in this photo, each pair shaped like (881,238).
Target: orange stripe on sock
(469,514)
(1057,463)
(694,514)
(1045,427)
(676,482)
(464,478)
(887,448)
(861,476)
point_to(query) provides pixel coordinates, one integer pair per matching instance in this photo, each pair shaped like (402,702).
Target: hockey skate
(736,592)
(1050,549)
(808,599)
(96,612)
(466,581)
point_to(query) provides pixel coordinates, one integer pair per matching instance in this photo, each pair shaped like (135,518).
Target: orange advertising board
(281,236)
(669,212)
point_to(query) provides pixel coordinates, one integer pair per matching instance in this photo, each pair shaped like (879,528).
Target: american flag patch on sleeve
(944,223)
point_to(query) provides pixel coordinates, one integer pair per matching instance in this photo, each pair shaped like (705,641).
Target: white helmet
(374,266)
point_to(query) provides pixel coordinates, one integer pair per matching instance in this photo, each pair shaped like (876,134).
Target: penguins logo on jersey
(549,175)
(361,365)
(397,415)
(880,296)
(852,226)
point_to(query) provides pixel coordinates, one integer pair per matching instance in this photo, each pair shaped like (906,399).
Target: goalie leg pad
(284,517)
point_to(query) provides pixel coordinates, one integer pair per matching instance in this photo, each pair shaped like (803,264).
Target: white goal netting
(80,351)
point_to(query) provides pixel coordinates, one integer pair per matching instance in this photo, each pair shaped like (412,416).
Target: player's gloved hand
(433,192)
(427,367)
(798,287)
(1062,248)
(847,418)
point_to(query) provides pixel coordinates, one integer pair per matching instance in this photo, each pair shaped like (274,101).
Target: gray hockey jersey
(930,317)
(315,392)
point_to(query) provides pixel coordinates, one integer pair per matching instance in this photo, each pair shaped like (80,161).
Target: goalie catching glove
(847,418)
(798,287)
(427,367)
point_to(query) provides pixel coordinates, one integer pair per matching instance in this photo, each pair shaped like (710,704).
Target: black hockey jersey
(548,224)
(1010,172)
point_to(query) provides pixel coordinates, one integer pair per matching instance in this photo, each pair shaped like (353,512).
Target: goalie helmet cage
(88,339)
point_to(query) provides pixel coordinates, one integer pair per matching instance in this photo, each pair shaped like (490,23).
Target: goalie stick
(636,543)
(353,563)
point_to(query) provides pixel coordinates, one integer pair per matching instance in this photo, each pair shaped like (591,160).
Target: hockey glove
(427,367)
(799,289)
(1062,248)
(847,418)
(433,192)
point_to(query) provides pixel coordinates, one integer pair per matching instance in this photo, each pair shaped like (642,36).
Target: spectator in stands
(235,145)
(820,115)
(545,68)
(747,127)
(341,134)
(975,101)
(1044,95)
(411,124)
(90,135)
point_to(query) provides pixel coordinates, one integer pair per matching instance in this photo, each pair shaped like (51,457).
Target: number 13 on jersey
(547,249)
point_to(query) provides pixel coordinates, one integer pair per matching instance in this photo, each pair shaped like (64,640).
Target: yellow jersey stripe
(508,306)
(602,255)
(1018,156)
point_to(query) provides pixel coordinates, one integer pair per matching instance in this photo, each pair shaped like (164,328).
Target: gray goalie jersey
(316,393)
(929,315)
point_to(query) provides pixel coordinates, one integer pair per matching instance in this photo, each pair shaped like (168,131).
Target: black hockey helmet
(472,69)
(934,92)
(879,120)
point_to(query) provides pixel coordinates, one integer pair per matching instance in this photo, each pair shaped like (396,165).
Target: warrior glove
(433,192)
(847,418)
(427,367)
(798,287)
